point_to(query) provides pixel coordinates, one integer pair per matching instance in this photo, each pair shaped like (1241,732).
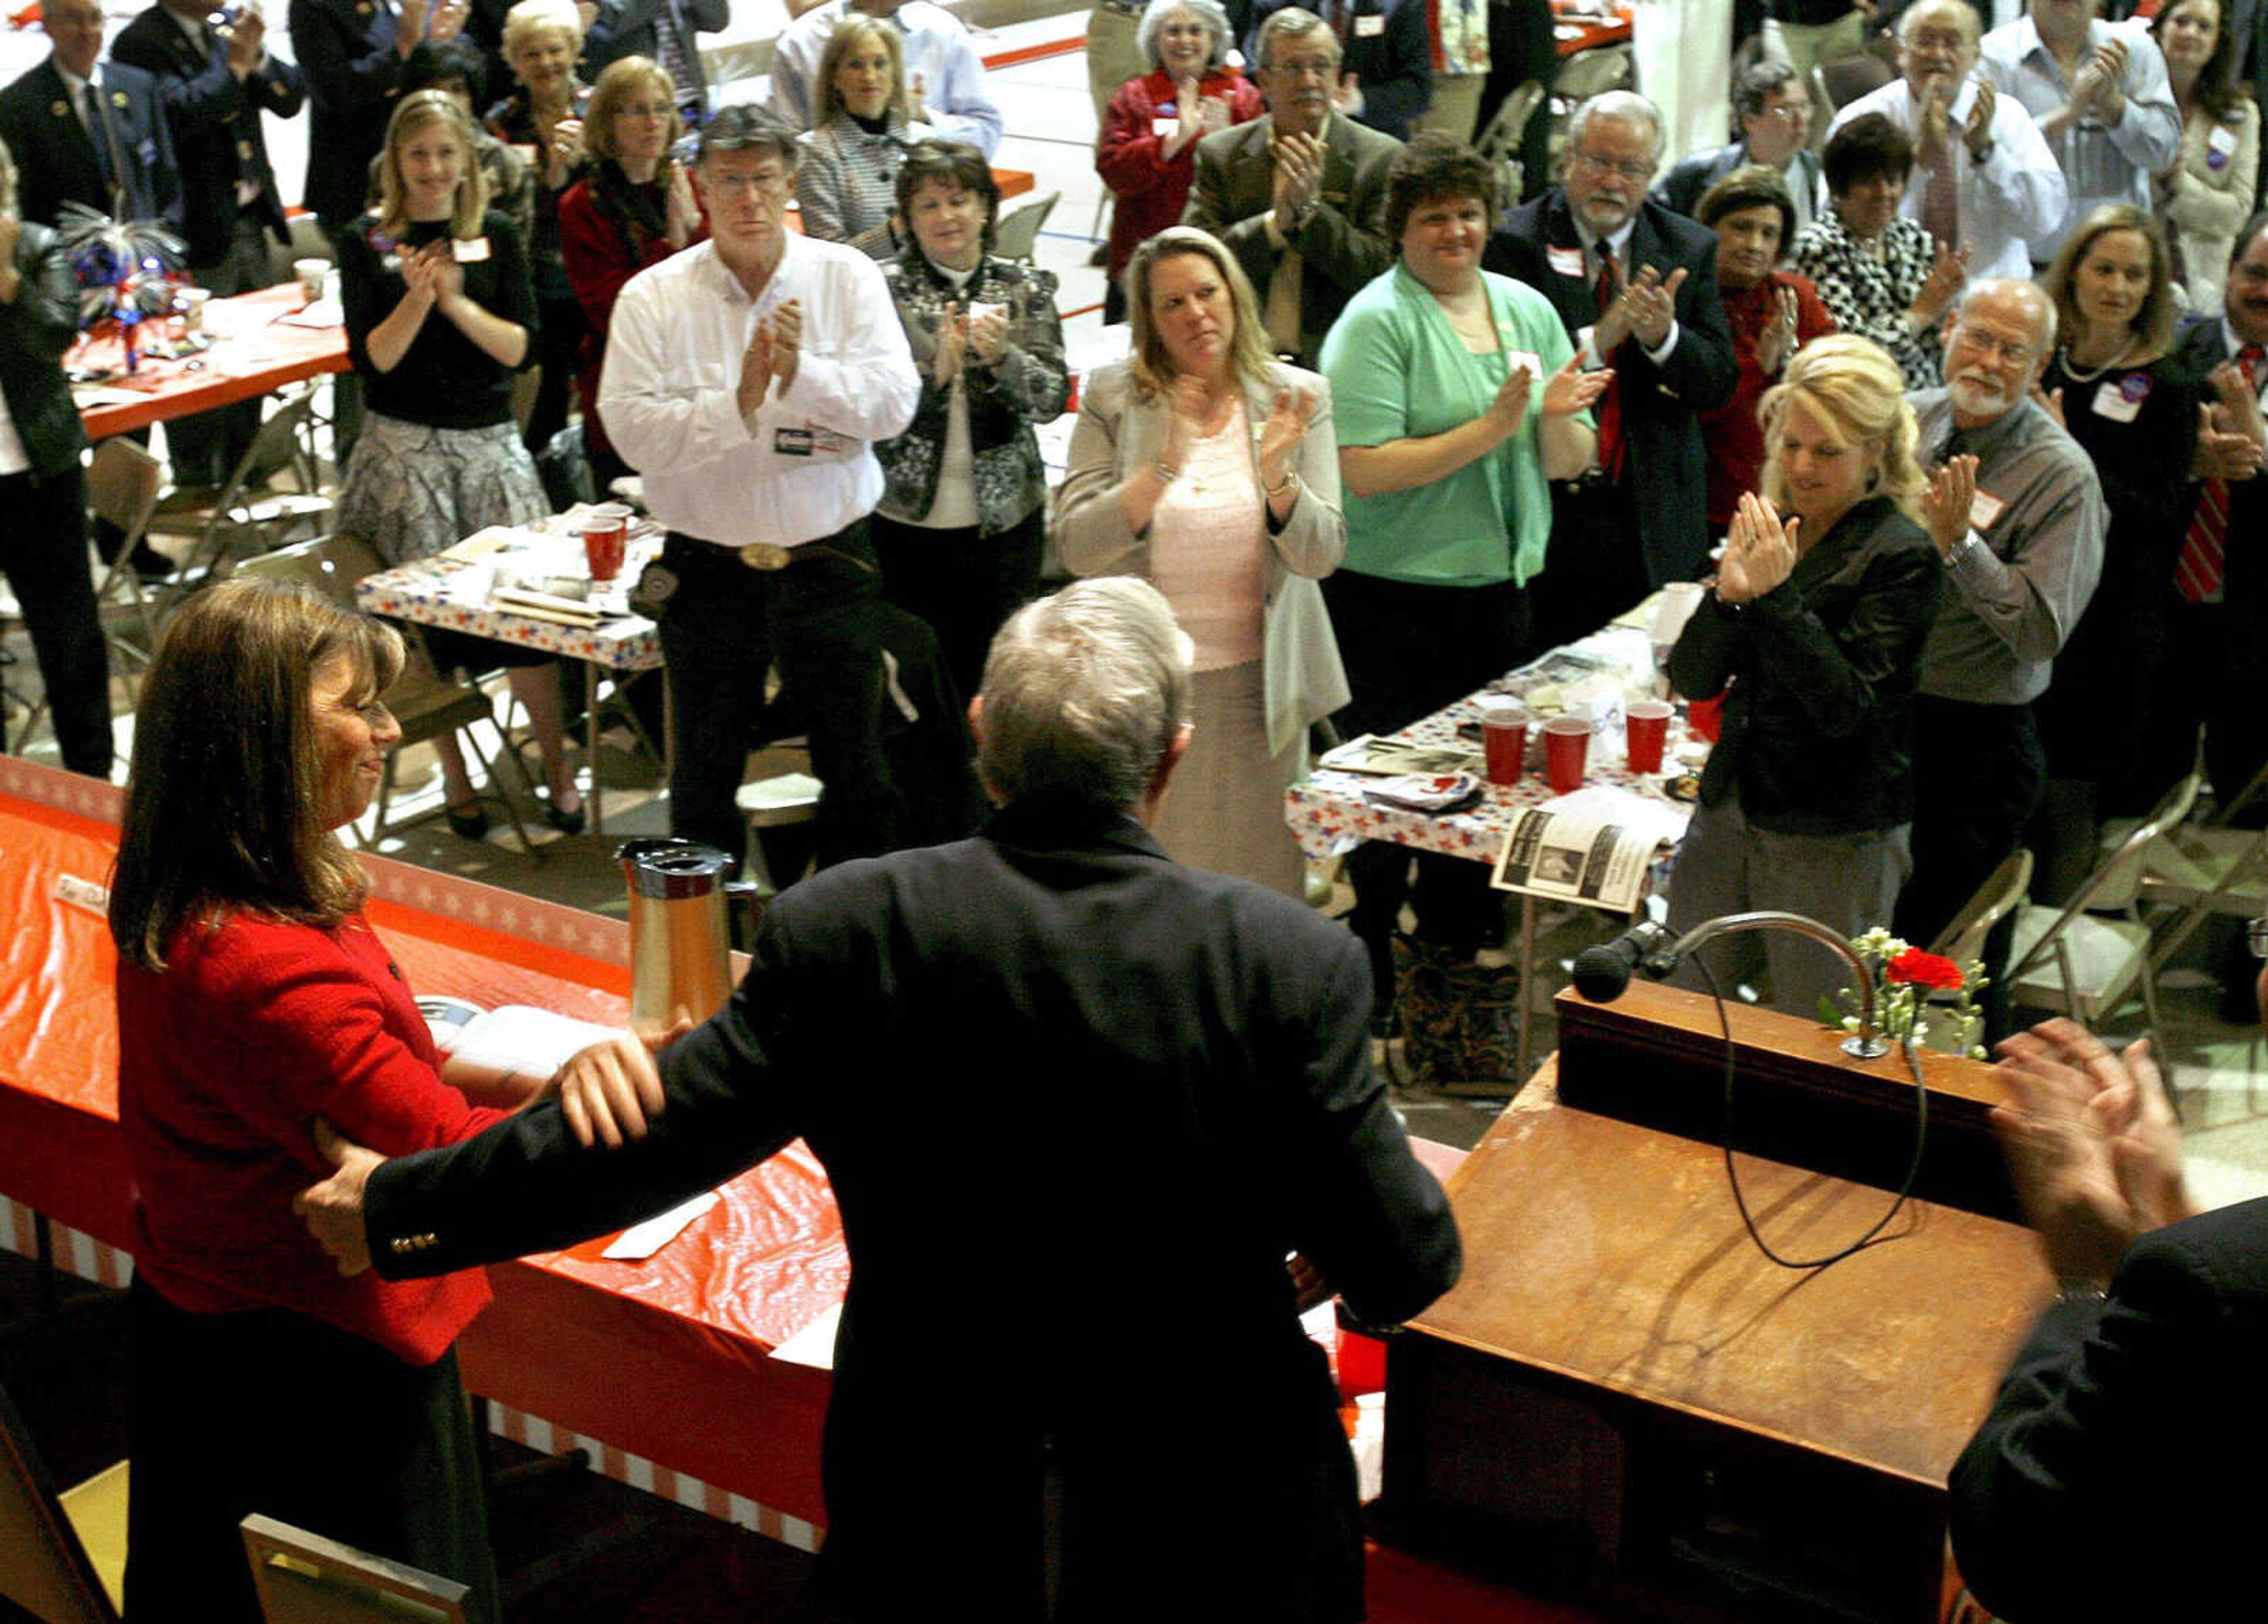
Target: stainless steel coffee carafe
(680,963)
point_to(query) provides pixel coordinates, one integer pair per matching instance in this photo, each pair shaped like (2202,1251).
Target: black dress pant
(721,629)
(963,582)
(44,554)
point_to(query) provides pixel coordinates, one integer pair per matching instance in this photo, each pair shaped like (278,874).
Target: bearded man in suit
(1636,287)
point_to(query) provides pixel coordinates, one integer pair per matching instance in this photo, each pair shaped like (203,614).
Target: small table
(1330,813)
(254,353)
(614,648)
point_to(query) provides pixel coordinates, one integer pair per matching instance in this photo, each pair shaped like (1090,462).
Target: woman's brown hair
(223,812)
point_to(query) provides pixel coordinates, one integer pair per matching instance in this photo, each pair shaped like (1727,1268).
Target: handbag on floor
(1459,1020)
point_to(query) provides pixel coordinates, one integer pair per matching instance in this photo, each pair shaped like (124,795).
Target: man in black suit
(351,52)
(215,84)
(1636,287)
(1385,71)
(42,486)
(89,132)
(1774,109)
(1300,195)
(664,30)
(1176,1091)
(2217,671)
(2113,1477)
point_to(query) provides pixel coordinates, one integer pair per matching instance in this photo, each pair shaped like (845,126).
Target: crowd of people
(1907,384)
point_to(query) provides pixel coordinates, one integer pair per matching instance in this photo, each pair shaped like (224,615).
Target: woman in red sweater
(634,209)
(1147,155)
(253,1000)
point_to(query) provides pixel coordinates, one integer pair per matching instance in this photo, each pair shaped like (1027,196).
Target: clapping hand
(683,217)
(1760,552)
(1280,437)
(566,145)
(1945,505)
(447,20)
(444,278)
(988,335)
(2240,402)
(2222,452)
(772,354)
(1946,275)
(2093,1143)
(952,340)
(1642,308)
(245,38)
(916,95)
(1509,409)
(1216,113)
(1189,106)
(1187,411)
(1936,119)
(1976,129)
(1570,389)
(1776,342)
(1298,170)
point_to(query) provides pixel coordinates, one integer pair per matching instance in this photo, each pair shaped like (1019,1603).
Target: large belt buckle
(765,556)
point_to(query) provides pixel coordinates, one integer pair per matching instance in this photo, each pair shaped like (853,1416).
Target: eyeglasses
(2012,350)
(763,183)
(1628,168)
(1790,113)
(643,110)
(1308,67)
(2255,937)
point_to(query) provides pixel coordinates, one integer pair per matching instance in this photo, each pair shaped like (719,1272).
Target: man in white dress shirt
(1983,174)
(746,379)
(2098,93)
(944,74)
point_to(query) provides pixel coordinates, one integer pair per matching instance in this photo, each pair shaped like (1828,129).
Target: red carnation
(1926,970)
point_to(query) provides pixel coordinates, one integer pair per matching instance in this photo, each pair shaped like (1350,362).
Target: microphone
(1600,973)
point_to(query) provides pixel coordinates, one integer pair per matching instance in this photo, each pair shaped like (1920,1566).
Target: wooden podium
(1624,1390)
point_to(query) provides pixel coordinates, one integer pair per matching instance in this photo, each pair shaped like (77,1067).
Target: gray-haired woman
(1147,155)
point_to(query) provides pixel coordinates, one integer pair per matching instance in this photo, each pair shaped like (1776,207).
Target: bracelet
(1291,478)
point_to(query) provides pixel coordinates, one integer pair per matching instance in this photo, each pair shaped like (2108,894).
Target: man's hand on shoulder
(332,1211)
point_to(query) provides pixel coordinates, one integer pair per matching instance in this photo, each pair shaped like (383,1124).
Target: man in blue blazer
(1177,1091)
(1637,518)
(215,84)
(52,116)
(1774,109)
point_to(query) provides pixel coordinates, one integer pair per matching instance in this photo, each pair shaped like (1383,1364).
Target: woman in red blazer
(1148,153)
(254,1001)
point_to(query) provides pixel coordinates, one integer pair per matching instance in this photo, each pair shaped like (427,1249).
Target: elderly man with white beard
(2017,514)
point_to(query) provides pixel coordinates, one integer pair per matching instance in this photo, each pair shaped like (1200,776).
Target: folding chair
(424,702)
(1016,234)
(45,1538)
(2201,868)
(1499,142)
(1964,939)
(303,1578)
(122,486)
(2077,962)
(219,524)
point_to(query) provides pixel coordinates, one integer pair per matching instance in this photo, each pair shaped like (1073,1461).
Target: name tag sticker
(1369,28)
(1164,125)
(1565,262)
(2115,403)
(469,250)
(1515,359)
(1984,508)
(791,441)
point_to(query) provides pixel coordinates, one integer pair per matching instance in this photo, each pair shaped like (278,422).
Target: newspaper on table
(1395,758)
(1595,847)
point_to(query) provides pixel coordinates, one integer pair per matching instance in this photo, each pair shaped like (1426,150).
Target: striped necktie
(2199,571)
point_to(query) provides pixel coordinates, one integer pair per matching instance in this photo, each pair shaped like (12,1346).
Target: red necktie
(2198,572)
(1610,406)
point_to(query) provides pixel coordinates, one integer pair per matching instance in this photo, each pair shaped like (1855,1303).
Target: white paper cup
(310,274)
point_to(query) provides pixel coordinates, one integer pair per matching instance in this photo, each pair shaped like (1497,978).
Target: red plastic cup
(1566,751)
(1646,724)
(1504,736)
(604,539)
(1706,716)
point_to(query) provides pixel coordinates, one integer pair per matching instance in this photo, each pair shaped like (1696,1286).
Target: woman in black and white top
(1878,273)
(961,526)
(847,186)
(440,313)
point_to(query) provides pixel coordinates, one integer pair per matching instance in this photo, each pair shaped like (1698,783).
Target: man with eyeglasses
(746,379)
(1636,287)
(2110,1477)
(1386,59)
(1775,113)
(2017,514)
(1983,174)
(1298,196)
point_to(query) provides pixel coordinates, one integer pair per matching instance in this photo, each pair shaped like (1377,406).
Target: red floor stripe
(1034,53)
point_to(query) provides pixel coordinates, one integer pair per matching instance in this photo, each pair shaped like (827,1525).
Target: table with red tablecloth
(663,1365)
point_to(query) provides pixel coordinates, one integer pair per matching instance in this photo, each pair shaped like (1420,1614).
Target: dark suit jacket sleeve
(334,52)
(1373,1220)
(525,1185)
(1700,374)
(2101,1435)
(1391,101)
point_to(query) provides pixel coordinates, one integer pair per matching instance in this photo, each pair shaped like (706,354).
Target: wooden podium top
(1612,1254)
